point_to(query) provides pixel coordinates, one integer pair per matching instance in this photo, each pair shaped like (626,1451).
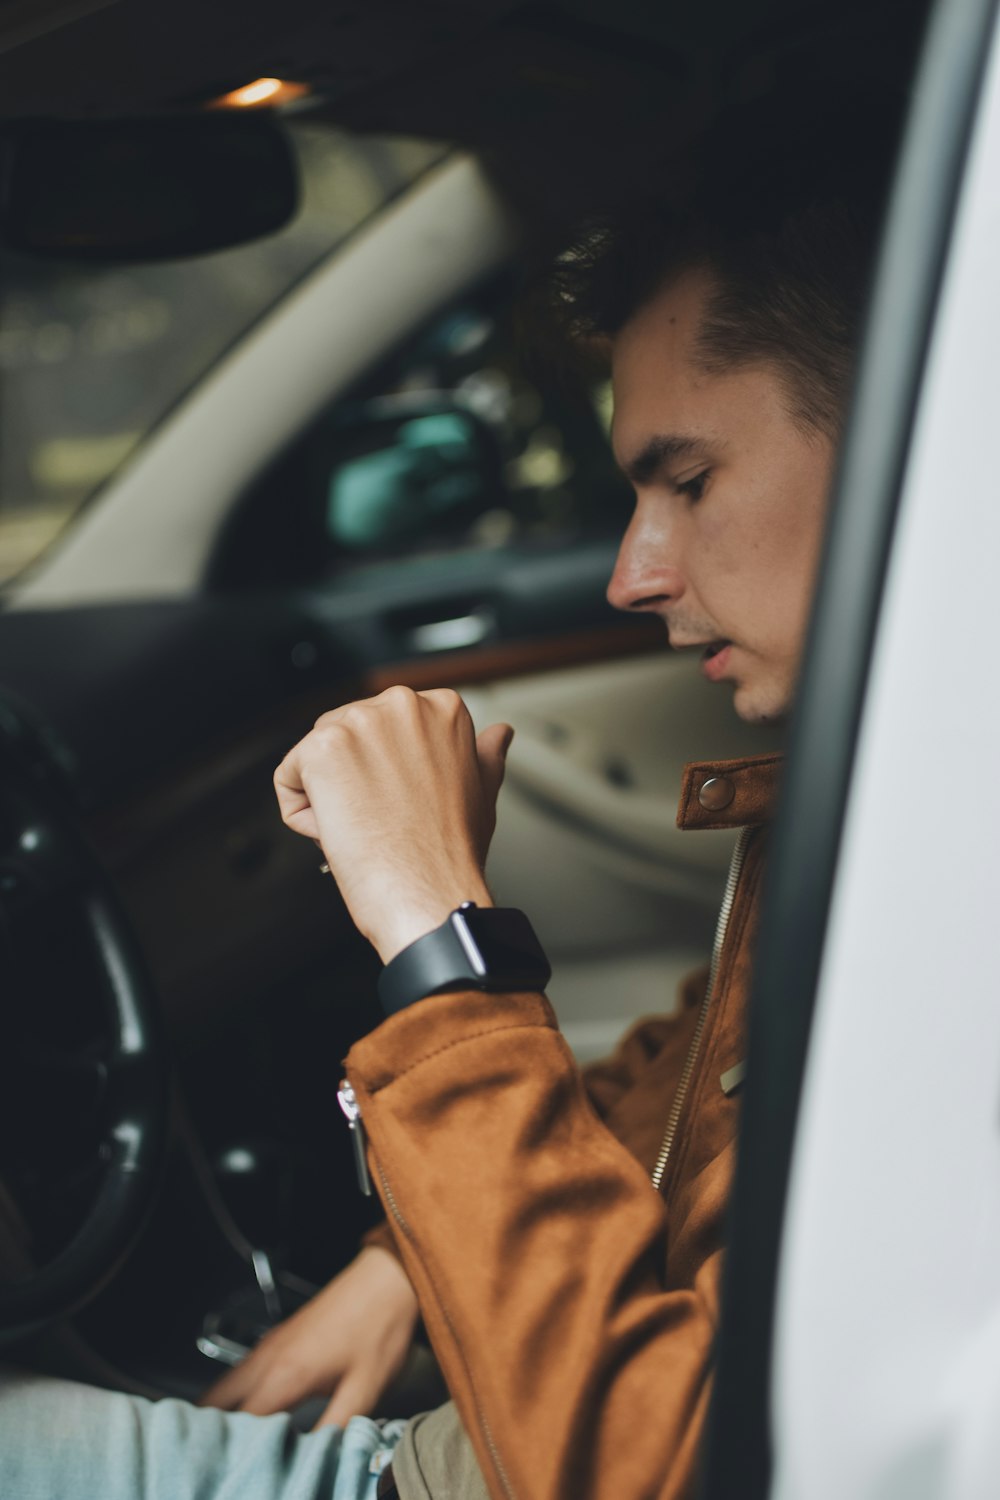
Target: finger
(227,1392)
(293,801)
(447,699)
(280,1390)
(272,1378)
(355,1396)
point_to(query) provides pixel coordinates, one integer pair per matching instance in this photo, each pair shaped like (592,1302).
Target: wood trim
(519,658)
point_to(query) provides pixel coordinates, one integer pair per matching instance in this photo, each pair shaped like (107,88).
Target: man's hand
(402,797)
(348,1343)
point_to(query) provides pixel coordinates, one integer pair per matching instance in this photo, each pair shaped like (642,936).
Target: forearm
(536,1245)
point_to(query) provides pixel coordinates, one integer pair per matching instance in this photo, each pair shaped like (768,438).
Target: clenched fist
(401,795)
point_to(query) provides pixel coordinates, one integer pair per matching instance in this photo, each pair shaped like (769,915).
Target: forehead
(654,376)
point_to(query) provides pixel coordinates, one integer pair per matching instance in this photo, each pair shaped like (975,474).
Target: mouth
(715,659)
(714,655)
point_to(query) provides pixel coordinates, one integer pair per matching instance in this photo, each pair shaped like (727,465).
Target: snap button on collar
(728,793)
(716,793)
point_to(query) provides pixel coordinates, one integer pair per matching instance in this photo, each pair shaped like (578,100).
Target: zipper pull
(347,1100)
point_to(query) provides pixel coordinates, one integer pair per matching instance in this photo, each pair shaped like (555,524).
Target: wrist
(405,923)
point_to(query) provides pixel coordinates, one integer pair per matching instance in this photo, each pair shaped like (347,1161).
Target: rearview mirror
(410,467)
(139,190)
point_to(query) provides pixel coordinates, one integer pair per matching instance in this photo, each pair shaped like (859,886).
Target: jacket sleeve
(608,1080)
(537,1247)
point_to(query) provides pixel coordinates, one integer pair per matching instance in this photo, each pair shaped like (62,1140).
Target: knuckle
(446,699)
(324,739)
(329,716)
(400,695)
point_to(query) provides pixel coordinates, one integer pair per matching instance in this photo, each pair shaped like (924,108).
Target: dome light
(271,91)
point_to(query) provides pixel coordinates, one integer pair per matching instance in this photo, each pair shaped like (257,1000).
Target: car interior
(270,449)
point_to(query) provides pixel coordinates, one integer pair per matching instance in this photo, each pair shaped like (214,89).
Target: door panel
(587,842)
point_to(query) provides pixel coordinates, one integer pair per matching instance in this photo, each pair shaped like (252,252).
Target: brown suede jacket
(572,1307)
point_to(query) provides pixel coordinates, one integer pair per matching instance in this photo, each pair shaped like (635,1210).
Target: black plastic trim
(739,1449)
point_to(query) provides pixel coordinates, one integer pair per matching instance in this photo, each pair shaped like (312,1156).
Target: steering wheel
(83,1077)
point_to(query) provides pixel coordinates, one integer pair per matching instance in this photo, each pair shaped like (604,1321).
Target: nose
(647,573)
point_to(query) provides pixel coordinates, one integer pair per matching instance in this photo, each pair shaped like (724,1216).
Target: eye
(694,488)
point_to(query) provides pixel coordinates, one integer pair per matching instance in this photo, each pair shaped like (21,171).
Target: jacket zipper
(347,1099)
(722,927)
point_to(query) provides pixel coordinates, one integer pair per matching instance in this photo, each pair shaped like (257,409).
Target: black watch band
(476,948)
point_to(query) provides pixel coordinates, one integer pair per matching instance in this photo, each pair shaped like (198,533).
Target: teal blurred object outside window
(430,474)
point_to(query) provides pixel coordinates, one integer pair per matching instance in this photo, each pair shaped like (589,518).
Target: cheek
(736,555)
(788,568)
(760,570)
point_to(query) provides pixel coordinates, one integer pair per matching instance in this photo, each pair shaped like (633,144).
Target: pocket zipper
(347,1099)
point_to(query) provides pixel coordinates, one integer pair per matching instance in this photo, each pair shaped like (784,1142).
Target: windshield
(92,357)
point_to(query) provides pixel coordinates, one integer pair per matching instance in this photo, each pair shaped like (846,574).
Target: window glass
(523,461)
(455,448)
(92,357)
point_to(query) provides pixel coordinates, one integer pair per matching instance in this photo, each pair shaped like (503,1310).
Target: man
(572,1313)
(562,1236)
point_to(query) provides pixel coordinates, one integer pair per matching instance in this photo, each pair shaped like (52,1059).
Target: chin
(756,705)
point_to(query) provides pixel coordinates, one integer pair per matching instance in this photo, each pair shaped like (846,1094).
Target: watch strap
(451,958)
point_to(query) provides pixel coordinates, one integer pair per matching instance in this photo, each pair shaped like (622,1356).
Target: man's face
(731,497)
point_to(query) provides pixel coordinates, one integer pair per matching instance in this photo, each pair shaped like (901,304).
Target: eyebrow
(664,448)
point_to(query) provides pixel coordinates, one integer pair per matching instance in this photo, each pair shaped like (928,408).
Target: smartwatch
(476,948)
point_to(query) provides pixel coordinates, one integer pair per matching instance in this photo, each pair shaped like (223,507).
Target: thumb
(492,746)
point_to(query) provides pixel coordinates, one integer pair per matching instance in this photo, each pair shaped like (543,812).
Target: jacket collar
(729,793)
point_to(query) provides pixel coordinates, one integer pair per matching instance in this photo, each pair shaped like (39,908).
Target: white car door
(860,1352)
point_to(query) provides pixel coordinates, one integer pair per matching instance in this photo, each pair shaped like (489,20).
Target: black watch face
(506,940)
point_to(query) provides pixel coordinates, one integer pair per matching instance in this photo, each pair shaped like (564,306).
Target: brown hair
(790,294)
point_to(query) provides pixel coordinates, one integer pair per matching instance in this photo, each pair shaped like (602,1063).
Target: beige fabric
(435,1460)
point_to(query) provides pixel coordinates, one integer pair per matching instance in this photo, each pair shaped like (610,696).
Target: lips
(715,660)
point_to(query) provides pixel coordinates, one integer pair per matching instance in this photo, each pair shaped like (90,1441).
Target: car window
(456,447)
(92,357)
